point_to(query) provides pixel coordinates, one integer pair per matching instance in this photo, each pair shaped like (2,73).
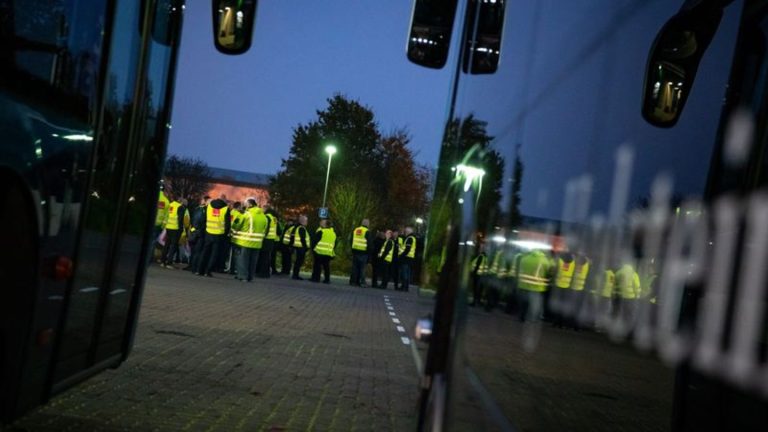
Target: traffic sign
(323,212)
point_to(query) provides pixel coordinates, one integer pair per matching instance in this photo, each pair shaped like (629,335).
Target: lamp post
(331,150)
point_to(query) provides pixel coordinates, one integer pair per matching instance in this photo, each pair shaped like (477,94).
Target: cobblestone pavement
(220,355)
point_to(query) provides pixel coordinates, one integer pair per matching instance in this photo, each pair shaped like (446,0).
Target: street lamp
(331,150)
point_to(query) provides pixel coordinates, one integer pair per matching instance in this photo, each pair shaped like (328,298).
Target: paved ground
(219,355)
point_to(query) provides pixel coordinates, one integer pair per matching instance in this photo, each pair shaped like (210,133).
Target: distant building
(239,185)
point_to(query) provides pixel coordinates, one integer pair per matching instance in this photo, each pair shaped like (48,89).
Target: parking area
(214,354)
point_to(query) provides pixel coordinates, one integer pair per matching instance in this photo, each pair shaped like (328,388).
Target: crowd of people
(560,287)
(249,241)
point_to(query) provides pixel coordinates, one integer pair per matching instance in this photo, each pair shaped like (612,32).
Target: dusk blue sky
(238,112)
(568,90)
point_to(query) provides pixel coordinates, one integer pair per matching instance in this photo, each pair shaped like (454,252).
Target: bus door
(51,58)
(622,291)
(104,296)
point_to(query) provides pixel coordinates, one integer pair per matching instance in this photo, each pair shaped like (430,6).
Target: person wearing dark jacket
(395,267)
(407,256)
(217,225)
(386,255)
(375,261)
(361,249)
(197,235)
(174,225)
(285,247)
(301,243)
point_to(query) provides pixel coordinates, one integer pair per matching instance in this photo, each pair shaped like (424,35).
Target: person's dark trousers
(477,290)
(211,250)
(405,273)
(246,263)
(220,265)
(298,262)
(322,262)
(394,270)
(273,256)
(234,253)
(265,258)
(385,269)
(375,270)
(195,262)
(171,246)
(286,260)
(359,261)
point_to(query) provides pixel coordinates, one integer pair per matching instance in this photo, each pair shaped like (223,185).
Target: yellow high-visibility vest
(298,234)
(327,242)
(215,220)
(390,254)
(162,209)
(287,234)
(412,251)
(564,273)
(272,233)
(359,240)
(580,276)
(533,271)
(251,229)
(172,221)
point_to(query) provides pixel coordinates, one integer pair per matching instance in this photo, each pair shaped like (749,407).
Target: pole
(327,175)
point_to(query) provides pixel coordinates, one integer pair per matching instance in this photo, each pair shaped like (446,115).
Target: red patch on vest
(161,204)
(358,231)
(216,212)
(171,210)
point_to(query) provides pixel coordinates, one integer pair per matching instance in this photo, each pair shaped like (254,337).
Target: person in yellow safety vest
(477,268)
(534,273)
(510,284)
(604,292)
(276,237)
(248,234)
(197,234)
(265,257)
(176,222)
(324,246)
(162,214)
(300,243)
(628,289)
(399,244)
(386,255)
(560,298)
(285,247)
(217,224)
(496,271)
(576,293)
(361,245)
(232,250)
(407,256)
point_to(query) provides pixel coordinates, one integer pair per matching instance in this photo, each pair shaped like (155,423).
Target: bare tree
(187,177)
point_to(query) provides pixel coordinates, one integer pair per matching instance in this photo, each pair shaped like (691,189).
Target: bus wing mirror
(673,62)
(233,25)
(484,22)
(430,37)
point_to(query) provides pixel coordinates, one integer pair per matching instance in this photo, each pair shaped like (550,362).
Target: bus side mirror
(233,25)
(430,36)
(484,22)
(673,62)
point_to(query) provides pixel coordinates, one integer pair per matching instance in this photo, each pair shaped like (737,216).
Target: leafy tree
(381,165)
(515,217)
(350,202)
(346,124)
(404,189)
(187,177)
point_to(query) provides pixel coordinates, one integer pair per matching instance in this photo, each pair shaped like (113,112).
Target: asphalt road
(221,355)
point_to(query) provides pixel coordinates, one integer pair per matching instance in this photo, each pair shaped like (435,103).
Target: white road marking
(395,320)
(390,308)
(89,289)
(406,340)
(392,314)
(401,329)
